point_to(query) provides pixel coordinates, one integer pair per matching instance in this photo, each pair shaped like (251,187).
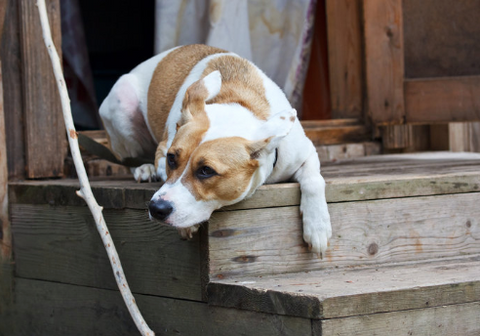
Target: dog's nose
(160,209)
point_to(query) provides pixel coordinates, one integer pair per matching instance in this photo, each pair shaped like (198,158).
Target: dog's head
(221,154)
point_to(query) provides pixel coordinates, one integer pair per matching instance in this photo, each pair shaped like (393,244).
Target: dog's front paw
(187,233)
(317,230)
(145,172)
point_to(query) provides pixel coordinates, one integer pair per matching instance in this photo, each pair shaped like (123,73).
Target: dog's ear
(198,93)
(272,132)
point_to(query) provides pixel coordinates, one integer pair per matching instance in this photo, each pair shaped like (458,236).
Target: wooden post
(12,94)
(345,57)
(464,136)
(45,141)
(6,276)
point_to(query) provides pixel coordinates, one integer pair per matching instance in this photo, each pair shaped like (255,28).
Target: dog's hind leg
(126,127)
(313,205)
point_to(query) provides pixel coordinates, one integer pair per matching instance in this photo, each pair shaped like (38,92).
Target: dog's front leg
(149,172)
(313,205)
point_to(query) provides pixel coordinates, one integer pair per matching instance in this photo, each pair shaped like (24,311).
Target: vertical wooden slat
(384,60)
(464,136)
(344,27)
(12,92)
(6,275)
(45,147)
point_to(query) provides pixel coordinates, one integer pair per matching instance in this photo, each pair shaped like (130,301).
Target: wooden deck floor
(404,257)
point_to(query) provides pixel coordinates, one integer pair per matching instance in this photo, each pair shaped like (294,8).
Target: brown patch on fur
(241,84)
(230,158)
(186,140)
(194,100)
(292,118)
(167,79)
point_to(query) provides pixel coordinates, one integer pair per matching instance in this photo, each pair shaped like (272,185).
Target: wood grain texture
(45,141)
(269,241)
(10,56)
(61,244)
(344,27)
(373,177)
(441,40)
(384,57)
(356,291)
(6,270)
(45,308)
(337,135)
(441,321)
(446,99)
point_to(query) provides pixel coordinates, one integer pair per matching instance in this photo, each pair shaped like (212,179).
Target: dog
(218,129)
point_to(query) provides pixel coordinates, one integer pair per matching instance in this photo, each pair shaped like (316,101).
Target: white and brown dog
(218,128)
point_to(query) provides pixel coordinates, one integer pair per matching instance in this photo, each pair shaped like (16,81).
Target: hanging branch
(85,191)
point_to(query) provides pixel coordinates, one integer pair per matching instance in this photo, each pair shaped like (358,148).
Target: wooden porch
(404,258)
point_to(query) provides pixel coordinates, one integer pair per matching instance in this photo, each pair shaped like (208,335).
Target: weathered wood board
(384,60)
(441,39)
(344,27)
(45,140)
(374,177)
(10,55)
(269,241)
(351,292)
(45,308)
(441,321)
(61,244)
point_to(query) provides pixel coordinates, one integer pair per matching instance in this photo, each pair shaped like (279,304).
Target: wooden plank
(464,137)
(44,308)
(349,292)
(12,84)
(45,146)
(61,244)
(375,177)
(441,40)
(344,27)
(439,137)
(407,138)
(330,123)
(337,135)
(442,99)
(396,136)
(384,56)
(441,321)
(6,270)
(475,137)
(247,242)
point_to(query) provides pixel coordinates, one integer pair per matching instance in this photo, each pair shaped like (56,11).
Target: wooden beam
(46,308)
(384,57)
(6,269)
(349,292)
(442,99)
(246,242)
(459,319)
(345,57)
(61,244)
(45,145)
(338,135)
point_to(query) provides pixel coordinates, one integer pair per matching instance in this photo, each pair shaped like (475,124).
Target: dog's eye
(205,172)
(172,164)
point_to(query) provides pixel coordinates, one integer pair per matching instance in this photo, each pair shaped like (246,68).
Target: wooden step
(349,292)
(332,132)
(401,214)
(436,298)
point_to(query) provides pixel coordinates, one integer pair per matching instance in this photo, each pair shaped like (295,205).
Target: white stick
(85,191)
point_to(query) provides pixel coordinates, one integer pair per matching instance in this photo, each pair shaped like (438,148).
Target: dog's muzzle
(160,209)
